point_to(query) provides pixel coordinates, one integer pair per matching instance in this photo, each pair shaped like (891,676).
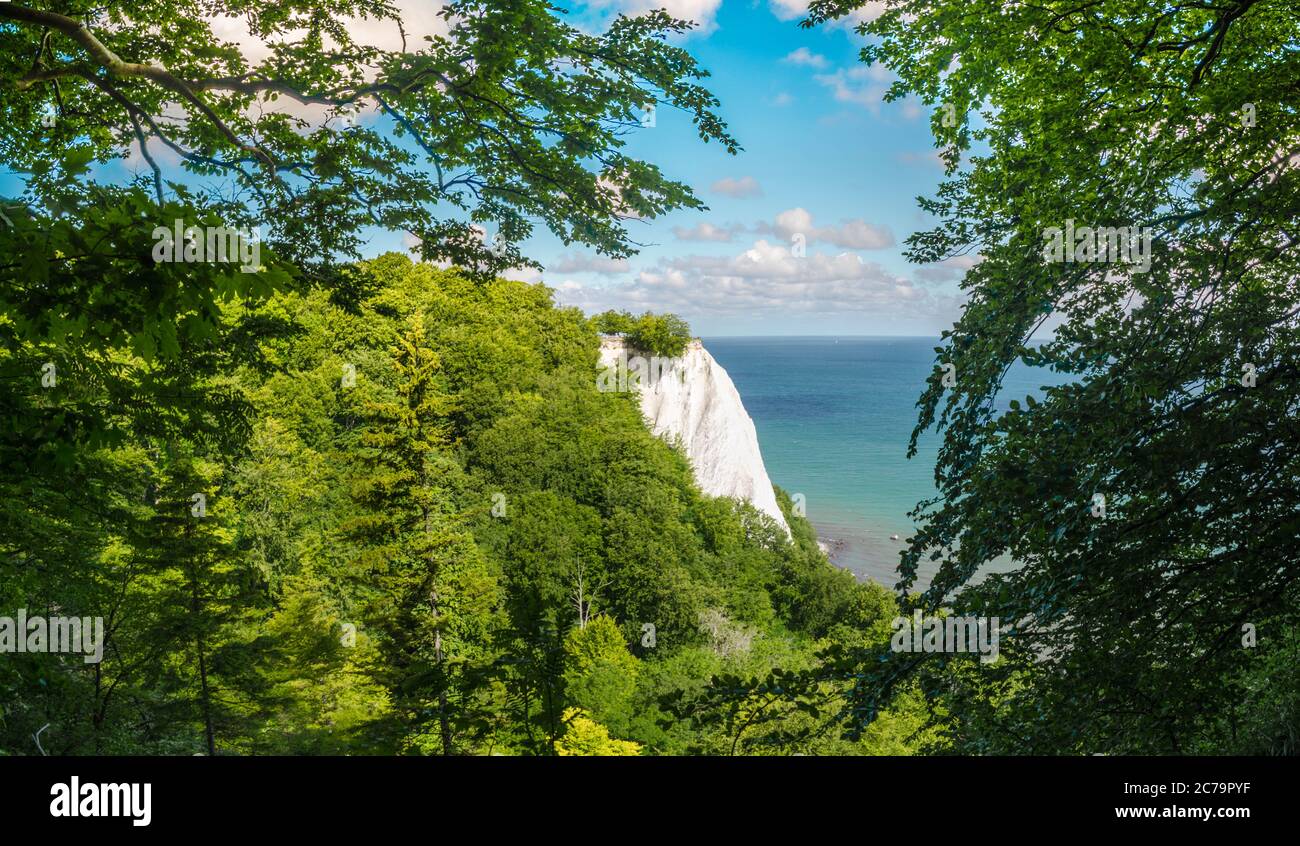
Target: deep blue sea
(833,417)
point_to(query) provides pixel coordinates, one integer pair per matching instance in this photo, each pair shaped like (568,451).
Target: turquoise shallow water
(833,417)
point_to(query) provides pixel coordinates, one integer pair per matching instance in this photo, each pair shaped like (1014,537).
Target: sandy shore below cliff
(865,553)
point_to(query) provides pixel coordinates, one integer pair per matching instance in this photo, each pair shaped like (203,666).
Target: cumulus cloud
(766,279)
(706,231)
(804,56)
(788,10)
(746,186)
(420,18)
(863,85)
(529,275)
(702,12)
(929,158)
(948,270)
(855,234)
(589,264)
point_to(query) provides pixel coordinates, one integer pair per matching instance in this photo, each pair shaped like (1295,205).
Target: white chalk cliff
(696,403)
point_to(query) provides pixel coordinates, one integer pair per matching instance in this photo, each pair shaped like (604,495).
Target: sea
(833,416)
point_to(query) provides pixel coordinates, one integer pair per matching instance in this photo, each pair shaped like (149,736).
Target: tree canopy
(1129,622)
(504,117)
(661,334)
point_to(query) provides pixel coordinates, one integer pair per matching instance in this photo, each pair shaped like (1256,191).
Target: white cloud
(930,158)
(948,270)
(589,264)
(614,189)
(766,279)
(864,85)
(702,12)
(705,231)
(746,186)
(529,275)
(165,156)
(791,222)
(804,56)
(419,18)
(855,234)
(911,108)
(788,10)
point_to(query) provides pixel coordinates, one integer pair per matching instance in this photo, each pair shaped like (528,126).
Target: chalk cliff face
(692,398)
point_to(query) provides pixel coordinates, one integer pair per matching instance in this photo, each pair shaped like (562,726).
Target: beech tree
(1150,503)
(280,117)
(429,586)
(506,117)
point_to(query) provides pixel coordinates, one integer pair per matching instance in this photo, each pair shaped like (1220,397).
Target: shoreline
(869,557)
(864,553)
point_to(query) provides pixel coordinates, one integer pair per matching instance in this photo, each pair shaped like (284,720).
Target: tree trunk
(207,702)
(205,694)
(443,723)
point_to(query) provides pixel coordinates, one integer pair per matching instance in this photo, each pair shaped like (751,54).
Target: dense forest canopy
(1152,502)
(435,536)
(329,505)
(334,504)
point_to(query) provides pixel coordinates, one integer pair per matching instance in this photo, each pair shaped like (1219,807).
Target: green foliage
(459,552)
(664,335)
(424,530)
(358,513)
(509,117)
(1167,116)
(600,675)
(443,555)
(585,736)
(426,584)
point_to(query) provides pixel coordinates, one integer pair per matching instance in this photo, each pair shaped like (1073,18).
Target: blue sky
(824,159)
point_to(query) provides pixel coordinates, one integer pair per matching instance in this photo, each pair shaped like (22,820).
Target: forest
(332,502)
(425,531)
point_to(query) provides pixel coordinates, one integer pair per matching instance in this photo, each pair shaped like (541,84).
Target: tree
(504,116)
(600,675)
(196,592)
(95,426)
(584,591)
(1150,502)
(585,736)
(508,117)
(658,334)
(426,577)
